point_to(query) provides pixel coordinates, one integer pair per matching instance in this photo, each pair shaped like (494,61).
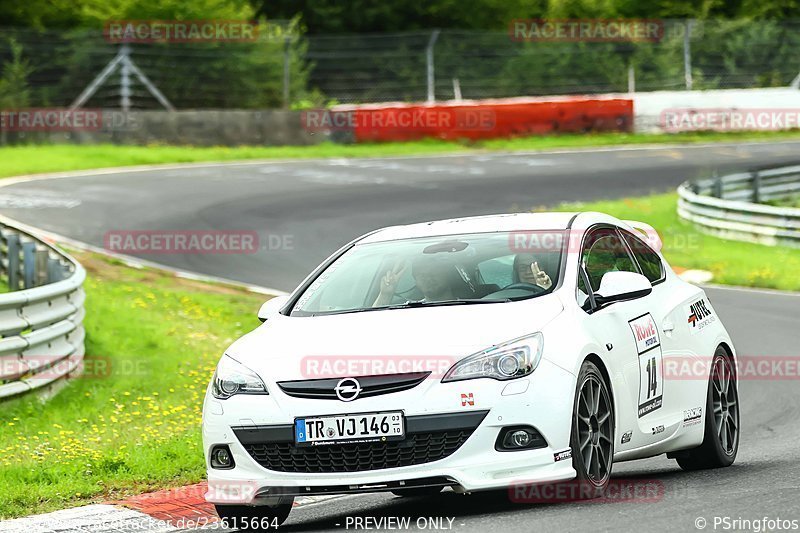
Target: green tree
(14,91)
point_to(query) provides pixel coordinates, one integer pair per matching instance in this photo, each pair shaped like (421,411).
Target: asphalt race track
(316,206)
(322,204)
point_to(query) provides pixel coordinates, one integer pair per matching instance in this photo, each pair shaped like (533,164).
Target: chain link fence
(314,70)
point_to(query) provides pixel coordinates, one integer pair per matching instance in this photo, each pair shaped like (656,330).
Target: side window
(604,251)
(650,263)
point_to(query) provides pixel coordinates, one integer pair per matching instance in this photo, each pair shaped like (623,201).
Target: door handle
(667,326)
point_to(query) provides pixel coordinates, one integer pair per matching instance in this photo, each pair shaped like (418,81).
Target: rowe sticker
(651,363)
(699,315)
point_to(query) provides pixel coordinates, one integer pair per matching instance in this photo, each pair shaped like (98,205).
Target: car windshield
(431,271)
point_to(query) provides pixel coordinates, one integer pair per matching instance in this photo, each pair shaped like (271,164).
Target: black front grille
(428,438)
(325,389)
(417,449)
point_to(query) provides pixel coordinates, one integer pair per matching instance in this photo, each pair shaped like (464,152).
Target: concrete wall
(649,108)
(199,128)
(510,117)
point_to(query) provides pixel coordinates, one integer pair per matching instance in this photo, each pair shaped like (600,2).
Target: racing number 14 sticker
(651,376)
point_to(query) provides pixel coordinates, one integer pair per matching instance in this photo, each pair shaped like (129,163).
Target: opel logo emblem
(348,389)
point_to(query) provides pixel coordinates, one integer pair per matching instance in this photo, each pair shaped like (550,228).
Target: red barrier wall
(489,119)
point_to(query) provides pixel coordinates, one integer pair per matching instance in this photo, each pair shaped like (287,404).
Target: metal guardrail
(729,206)
(41,315)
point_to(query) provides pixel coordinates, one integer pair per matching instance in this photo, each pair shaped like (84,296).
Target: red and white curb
(181,509)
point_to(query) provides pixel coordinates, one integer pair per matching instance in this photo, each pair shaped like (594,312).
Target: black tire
(722,427)
(592,436)
(417,492)
(254,517)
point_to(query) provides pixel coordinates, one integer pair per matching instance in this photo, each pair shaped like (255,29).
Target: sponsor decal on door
(699,315)
(651,363)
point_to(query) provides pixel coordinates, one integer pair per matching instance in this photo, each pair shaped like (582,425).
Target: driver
(526,270)
(432,277)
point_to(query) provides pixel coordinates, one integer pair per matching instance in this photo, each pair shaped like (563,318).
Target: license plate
(359,428)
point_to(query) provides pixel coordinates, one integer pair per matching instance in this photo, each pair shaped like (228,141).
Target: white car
(475,353)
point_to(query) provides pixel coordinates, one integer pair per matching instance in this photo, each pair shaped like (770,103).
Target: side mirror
(619,286)
(272,306)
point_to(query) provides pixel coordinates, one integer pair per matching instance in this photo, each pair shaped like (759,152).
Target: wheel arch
(729,351)
(600,364)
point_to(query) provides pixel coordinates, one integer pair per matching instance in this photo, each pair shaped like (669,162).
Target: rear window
(649,261)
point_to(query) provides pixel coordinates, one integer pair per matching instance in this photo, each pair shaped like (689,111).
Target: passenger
(432,277)
(526,270)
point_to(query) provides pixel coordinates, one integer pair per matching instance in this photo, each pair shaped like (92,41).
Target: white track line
(103,518)
(91,518)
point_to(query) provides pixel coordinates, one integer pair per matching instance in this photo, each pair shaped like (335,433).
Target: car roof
(477,224)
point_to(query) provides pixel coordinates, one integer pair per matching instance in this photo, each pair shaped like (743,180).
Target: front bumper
(542,400)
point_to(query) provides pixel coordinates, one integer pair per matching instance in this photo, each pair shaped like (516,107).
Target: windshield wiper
(412,304)
(441,303)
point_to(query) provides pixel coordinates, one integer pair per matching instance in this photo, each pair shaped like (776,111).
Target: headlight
(232,377)
(512,359)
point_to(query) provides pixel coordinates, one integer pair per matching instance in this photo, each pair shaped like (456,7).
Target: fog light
(519,438)
(221,457)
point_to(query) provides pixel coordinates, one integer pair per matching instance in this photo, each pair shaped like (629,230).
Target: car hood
(385,341)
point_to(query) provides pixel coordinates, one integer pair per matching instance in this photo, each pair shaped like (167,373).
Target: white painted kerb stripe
(91,518)
(103,518)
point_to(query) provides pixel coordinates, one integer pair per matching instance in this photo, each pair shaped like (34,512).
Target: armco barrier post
(53,270)
(756,187)
(13,262)
(716,190)
(28,263)
(42,257)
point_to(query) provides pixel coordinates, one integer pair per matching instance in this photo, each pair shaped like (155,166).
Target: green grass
(32,159)
(786,202)
(731,262)
(132,423)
